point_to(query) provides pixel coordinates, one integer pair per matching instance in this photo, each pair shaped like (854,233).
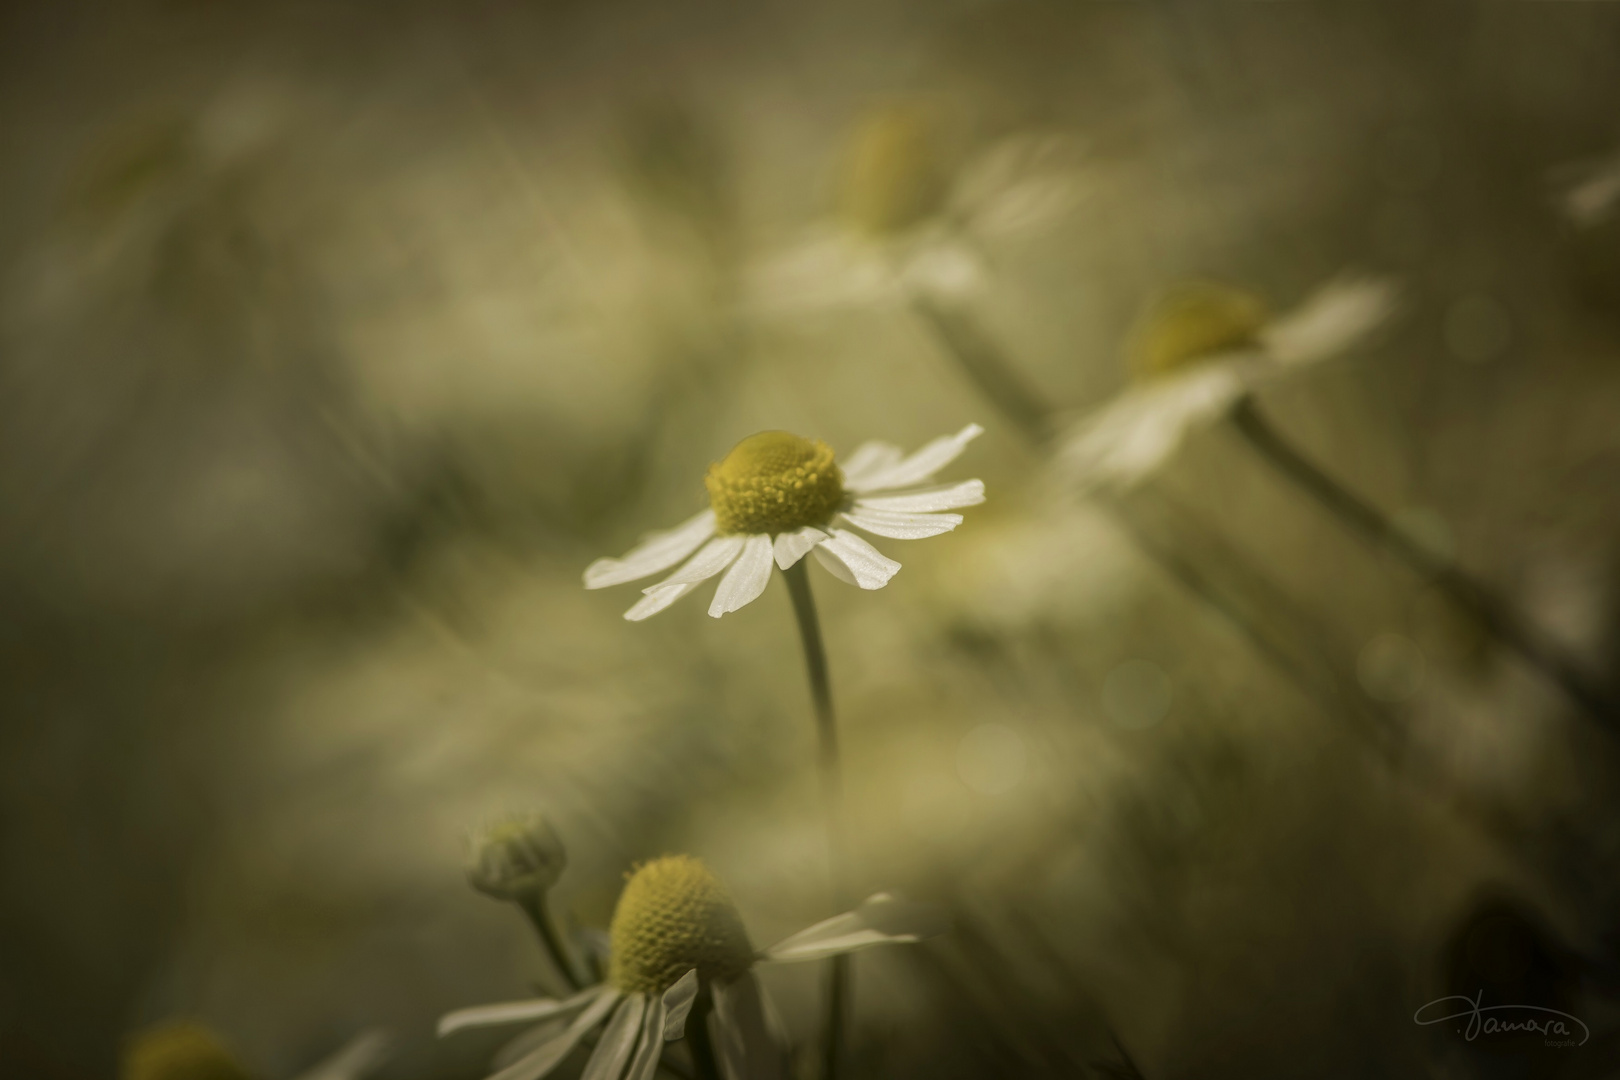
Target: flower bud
(517,858)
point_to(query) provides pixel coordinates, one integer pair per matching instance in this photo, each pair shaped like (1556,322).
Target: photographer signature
(1549,1023)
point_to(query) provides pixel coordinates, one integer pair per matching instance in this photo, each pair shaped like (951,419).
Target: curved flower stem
(704,1063)
(562,958)
(981,361)
(832,794)
(1467,592)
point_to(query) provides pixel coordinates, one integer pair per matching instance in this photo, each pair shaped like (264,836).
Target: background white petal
(658,551)
(945,497)
(514,1012)
(919,466)
(362,1054)
(902,526)
(869,567)
(1330,320)
(746,579)
(550,1055)
(793,546)
(881,919)
(1134,435)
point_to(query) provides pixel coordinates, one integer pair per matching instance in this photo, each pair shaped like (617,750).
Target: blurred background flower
(337,342)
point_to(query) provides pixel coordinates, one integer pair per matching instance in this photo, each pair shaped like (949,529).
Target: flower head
(674,916)
(779,496)
(676,936)
(1196,353)
(179,1050)
(518,857)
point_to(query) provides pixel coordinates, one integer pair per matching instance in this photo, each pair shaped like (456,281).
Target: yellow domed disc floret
(1194,321)
(774,482)
(673,916)
(179,1050)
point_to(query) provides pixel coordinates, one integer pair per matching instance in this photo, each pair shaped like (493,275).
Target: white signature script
(1550,1022)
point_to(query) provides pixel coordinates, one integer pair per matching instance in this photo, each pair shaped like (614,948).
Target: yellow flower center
(892,178)
(1195,321)
(179,1051)
(673,916)
(774,482)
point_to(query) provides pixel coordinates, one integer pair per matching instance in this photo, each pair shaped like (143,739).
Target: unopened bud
(517,858)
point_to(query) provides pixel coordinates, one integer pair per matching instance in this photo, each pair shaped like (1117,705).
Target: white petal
(714,557)
(1330,320)
(514,1012)
(902,526)
(612,1054)
(677,1003)
(869,459)
(868,566)
(658,551)
(833,565)
(917,468)
(751,1048)
(793,546)
(945,497)
(657,599)
(881,919)
(651,1048)
(747,579)
(549,1055)
(1134,435)
(525,1043)
(364,1053)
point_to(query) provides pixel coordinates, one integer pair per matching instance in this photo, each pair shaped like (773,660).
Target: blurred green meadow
(336,341)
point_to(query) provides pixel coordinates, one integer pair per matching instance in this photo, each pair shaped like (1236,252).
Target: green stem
(839,988)
(1467,592)
(562,958)
(701,1044)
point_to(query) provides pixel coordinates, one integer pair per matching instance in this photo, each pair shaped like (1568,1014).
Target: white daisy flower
(186,1050)
(906,226)
(677,943)
(778,497)
(1198,352)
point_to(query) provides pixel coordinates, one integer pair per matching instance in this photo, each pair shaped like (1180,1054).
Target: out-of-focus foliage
(337,339)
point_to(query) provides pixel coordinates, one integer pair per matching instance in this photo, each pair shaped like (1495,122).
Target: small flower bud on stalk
(519,859)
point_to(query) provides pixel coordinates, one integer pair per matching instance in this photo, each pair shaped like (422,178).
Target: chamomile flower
(1201,349)
(906,225)
(779,497)
(677,941)
(186,1050)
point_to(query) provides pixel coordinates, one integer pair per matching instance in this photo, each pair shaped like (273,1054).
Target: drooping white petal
(833,565)
(746,579)
(1330,320)
(677,1003)
(866,565)
(869,459)
(714,557)
(651,1046)
(793,546)
(656,552)
(900,526)
(515,1012)
(525,1043)
(881,919)
(549,1055)
(929,500)
(362,1054)
(1133,436)
(750,1049)
(618,1043)
(656,599)
(921,465)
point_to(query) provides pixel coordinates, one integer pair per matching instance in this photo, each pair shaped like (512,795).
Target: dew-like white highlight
(1478,329)
(1137,694)
(1391,668)
(992,759)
